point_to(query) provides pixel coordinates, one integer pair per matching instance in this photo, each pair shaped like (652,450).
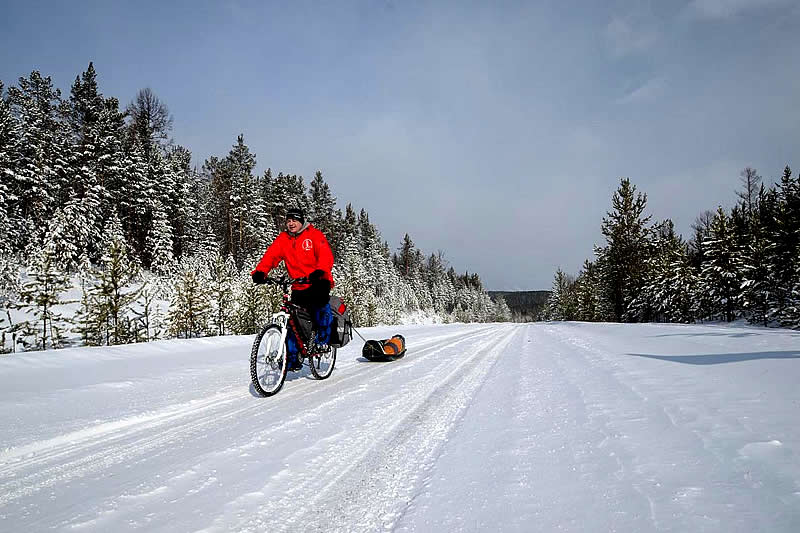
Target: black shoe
(295,365)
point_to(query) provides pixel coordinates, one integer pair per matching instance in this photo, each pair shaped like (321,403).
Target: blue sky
(496,133)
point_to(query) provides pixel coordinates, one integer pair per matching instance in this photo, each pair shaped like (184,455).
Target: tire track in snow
(30,468)
(56,447)
(374,474)
(249,442)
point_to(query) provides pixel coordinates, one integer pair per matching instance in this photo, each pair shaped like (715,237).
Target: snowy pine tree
(113,294)
(87,322)
(8,268)
(587,293)
(284,191)
(406,259)
(758,280)
(785,243)
(562,304)
(502,312)
(254,304)
(222,273)
(389,289)
(88,198)
(241,227)
(149,317)
(321,205)
(720,277)
(791,315)
(202,238)
(35,183)
(623,259)
(669,283)
(86,105)
(10,222)
(346,229)
(40,296)
(262,229)
(190,308)
(237,206)
(351,282)
(134,197)
(182,205)
(159,243)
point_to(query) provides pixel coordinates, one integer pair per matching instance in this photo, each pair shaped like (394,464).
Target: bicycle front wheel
(268,361)
(322,363)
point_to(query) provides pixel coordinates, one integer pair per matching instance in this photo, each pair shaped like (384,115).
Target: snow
(481,427)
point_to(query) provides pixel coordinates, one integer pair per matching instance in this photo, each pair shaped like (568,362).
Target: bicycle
(268,358)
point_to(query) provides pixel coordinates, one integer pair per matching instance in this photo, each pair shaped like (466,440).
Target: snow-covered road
(540,427)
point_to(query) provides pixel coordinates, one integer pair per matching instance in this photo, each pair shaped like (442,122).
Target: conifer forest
(111,235)
(740,264)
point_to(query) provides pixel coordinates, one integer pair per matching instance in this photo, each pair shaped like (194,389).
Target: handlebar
(285,281)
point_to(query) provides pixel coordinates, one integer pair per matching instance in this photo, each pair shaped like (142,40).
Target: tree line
(111,234)
(741,263)
(526,306)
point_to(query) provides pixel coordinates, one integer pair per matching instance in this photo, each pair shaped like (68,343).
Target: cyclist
(306,253)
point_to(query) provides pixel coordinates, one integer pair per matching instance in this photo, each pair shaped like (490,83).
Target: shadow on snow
(732,334)
(709,334)
(721,358)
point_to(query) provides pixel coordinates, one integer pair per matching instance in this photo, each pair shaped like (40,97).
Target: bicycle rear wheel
(322,363)
(268,361)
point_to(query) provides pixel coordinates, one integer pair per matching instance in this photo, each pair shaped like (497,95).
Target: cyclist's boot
(294,363)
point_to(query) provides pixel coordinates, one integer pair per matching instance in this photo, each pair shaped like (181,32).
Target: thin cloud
(625,36)
(645,92)
(723,9)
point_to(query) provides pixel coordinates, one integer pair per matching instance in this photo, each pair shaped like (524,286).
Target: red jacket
(302,253)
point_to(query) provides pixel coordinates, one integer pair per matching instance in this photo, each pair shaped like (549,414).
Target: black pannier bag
(304,324)
(341,327)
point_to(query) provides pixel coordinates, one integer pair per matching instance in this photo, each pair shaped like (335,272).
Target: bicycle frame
(286,319)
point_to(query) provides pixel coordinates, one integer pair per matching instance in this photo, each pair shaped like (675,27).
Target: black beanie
(297,214)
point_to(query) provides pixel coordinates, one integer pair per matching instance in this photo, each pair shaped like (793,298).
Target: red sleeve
(273,255)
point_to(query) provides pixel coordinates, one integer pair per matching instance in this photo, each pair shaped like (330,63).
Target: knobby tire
(280,361)
(314,363)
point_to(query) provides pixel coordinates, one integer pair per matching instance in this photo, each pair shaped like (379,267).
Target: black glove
(259,277)
(320,288)
(316,276)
